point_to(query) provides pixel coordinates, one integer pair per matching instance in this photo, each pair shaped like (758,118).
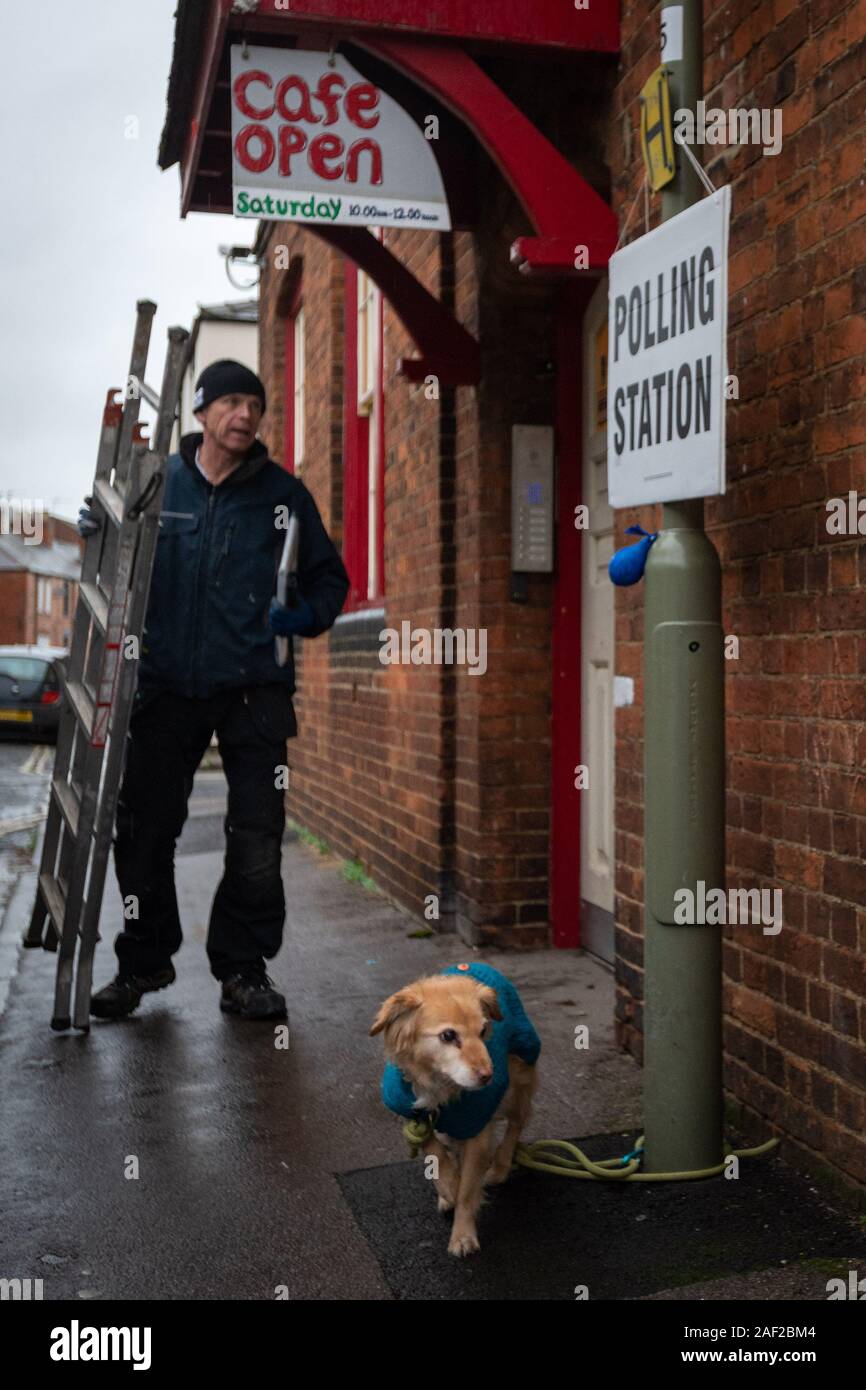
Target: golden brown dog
(435,1032)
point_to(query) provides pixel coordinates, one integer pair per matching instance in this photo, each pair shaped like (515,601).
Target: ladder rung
(82,705)
(96,604)
(54,899)
(110,499)
(69,802)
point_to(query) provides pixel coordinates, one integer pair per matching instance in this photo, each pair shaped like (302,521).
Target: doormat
(544,1237)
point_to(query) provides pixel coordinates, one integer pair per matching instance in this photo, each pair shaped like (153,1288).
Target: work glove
(291,622)
(88,522)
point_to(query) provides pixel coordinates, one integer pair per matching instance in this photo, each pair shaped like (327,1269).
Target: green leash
(576,1164)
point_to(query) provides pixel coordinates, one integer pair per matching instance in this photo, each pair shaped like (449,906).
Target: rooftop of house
(233,311)
(59,560)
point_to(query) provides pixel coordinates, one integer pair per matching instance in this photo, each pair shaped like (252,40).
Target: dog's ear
(403,1002)
(489,1002)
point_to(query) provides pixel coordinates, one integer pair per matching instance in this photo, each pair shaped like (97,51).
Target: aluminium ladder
(101,679)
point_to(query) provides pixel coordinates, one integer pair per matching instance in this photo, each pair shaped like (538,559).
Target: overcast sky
(90,224)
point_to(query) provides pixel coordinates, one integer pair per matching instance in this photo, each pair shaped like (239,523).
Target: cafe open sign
(314,141)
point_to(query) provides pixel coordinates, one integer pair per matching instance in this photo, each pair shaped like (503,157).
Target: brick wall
(16,623)
(795,1021)
(367,765)
(20,620)
(503,721)
(436,779)
(54,528)
(417,739)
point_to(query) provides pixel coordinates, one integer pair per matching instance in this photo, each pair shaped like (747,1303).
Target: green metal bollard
(684,839)
(684,784)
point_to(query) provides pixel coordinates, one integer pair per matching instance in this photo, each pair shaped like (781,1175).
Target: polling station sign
(314,141)
(667,365)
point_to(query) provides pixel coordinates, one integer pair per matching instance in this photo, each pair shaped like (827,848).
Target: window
(66,587)
(295,358)
(368,318)
(43,595)
(369,407)
(364,438)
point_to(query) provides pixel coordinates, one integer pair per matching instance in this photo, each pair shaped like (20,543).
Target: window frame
(43,596)
(364,438)
(295,355)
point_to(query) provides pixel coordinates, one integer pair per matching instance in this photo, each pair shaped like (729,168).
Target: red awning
(423,54)
(540,23)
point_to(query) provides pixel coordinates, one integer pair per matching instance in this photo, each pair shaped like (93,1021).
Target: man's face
(232,421)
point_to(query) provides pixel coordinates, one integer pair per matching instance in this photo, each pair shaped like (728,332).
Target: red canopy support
(448,351)
(566,212)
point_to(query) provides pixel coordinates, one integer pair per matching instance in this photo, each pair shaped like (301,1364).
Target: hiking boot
(252,995)
(119,998)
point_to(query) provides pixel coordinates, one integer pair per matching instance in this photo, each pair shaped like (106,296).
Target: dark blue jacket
(215,572)
(471,1111)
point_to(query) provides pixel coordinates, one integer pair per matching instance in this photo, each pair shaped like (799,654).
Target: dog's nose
(484,1076)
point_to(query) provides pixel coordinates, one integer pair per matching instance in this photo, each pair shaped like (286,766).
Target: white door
(597,637)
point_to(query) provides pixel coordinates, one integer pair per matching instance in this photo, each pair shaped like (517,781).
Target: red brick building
(794,593)
(38,582)
(398,366)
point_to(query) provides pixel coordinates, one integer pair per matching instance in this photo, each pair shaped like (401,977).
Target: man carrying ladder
(208,664)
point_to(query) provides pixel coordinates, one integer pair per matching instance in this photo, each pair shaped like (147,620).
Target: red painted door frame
(565,808)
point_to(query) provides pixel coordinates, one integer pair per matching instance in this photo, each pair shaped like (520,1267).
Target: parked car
(31,695)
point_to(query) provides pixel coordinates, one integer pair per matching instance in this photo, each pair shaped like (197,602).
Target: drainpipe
(684,782)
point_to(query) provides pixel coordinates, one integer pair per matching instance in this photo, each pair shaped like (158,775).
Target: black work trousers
(168,736)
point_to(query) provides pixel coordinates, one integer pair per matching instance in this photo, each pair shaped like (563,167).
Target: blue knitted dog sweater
(471,1111)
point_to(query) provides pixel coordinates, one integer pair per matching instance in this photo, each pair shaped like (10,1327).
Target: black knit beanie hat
(225,378)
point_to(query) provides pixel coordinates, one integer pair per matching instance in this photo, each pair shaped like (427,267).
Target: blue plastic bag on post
(626,566)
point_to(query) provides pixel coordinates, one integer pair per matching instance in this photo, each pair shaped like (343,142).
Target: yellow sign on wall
(656,130)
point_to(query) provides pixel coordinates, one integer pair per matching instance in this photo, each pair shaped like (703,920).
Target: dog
(461,1052)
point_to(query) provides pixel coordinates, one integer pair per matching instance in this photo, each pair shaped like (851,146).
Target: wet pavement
(183,1154)
(25,772)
